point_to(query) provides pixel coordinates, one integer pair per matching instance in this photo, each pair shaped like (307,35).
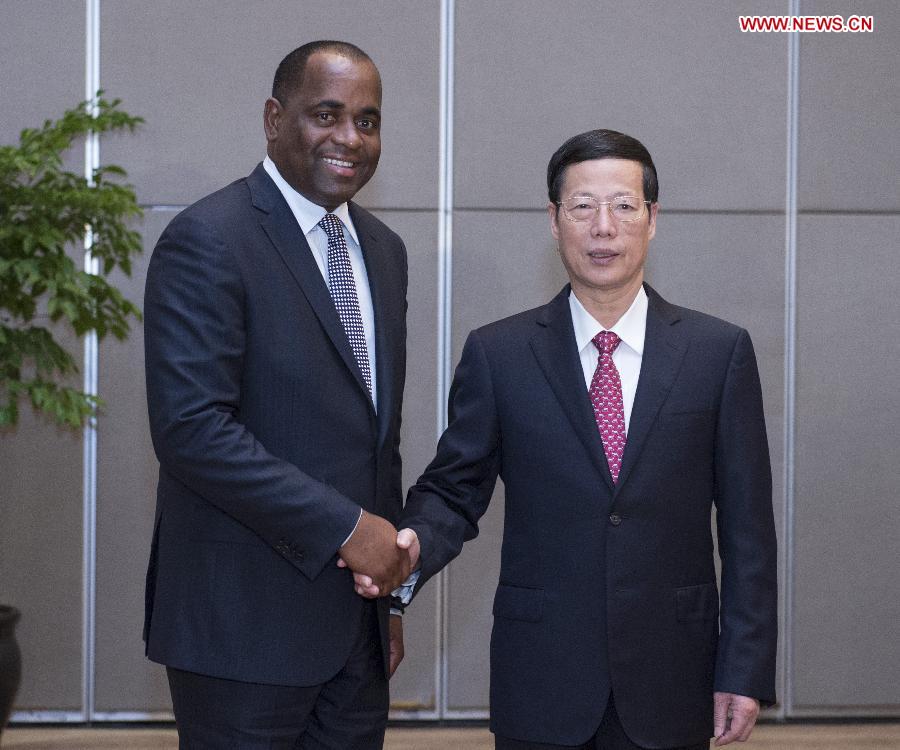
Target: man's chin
(338,194)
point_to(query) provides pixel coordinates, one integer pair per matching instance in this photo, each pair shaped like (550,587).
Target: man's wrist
(355,527)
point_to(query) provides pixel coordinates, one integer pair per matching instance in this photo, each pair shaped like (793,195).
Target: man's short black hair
(289,74)
(601,144)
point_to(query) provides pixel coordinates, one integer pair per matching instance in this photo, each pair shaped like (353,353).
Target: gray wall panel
(503,263)
(472,579)
(708,101)
(42,52)
(711,104)
(200,72)
(41,553)
(413,686)
(126,500)
(847,600)
(849,107)
(732,267)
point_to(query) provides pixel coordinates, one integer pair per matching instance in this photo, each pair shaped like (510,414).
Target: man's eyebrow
(335,104)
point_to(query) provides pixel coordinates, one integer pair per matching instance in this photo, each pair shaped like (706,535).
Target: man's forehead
(328,64)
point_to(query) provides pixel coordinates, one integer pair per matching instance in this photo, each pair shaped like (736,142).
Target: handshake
(380,557)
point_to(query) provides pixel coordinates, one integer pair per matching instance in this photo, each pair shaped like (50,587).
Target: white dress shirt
(308,216)
(631,328)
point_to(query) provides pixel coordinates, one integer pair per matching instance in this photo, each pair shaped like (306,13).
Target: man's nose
(603,224)
(347,135)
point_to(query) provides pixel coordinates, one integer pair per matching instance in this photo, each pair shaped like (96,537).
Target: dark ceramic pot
(10,662)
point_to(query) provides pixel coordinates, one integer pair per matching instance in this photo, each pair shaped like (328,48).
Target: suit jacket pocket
(517,603)
(697,602)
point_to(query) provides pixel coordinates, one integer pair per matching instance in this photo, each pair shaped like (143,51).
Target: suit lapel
(285,234)
(388,327)
(557,354)
(664,349)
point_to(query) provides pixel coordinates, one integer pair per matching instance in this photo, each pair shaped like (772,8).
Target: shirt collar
(307,213)
(631,327)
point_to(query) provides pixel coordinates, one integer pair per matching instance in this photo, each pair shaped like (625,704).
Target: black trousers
(349,712)
(610,736)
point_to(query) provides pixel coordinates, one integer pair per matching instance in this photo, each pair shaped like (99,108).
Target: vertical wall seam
(89,501)
(790,359)
(444,311)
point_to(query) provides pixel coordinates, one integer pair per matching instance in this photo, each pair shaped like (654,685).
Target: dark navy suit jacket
(267,438)
(612,587)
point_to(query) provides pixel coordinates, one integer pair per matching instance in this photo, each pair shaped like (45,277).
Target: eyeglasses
(621,208)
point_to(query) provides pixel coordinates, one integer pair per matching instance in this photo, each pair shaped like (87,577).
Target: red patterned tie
(606,398)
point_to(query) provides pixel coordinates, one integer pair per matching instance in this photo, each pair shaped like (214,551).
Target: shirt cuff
(404,591)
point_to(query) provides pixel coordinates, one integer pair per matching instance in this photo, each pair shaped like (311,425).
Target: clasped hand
(380,557)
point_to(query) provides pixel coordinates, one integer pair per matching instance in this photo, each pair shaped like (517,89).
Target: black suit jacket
(612,587)
(267,438)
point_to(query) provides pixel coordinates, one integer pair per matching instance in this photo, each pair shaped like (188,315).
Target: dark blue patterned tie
(343,292)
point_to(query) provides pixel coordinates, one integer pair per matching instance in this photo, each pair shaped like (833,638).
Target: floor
(868,736)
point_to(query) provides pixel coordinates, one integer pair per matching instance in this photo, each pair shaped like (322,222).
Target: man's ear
(271,117)
(651,228)
(553,211)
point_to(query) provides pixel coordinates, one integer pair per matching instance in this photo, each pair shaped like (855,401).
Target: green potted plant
(45,214)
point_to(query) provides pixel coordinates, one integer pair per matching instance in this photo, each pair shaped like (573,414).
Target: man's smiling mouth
(338,162)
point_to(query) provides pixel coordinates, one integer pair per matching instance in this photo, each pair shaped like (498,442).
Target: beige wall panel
(849,109)
(846,595)
(199,73)
(707,100)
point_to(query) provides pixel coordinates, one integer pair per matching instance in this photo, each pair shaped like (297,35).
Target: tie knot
(606,341)
(332,226)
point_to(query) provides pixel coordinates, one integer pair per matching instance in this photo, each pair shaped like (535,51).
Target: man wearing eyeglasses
(617,421)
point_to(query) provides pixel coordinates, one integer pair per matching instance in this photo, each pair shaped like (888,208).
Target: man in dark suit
(617,421)
(275,352)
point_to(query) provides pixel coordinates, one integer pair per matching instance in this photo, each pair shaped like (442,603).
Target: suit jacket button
(615,519)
